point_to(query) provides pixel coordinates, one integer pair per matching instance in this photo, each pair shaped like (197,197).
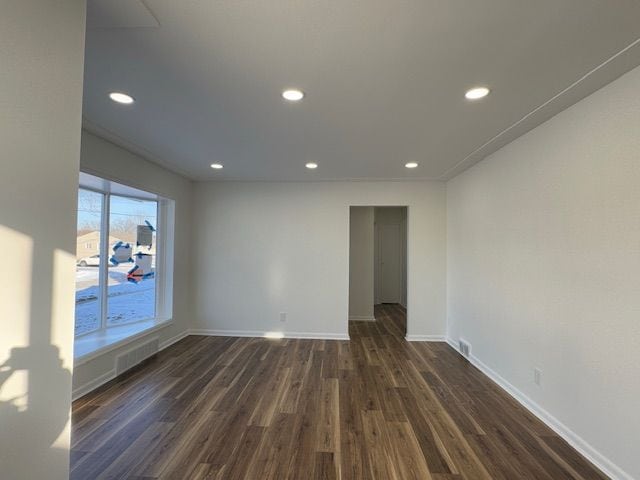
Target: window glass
(131,290)
(88,303)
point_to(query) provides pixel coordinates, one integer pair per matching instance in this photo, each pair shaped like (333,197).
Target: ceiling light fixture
(216,166)
(477,93)
(311,165)
(293,95)
(120,97)
(411,165)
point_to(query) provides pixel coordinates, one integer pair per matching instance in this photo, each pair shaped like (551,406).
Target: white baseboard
(263,334)
(452,344)
(172,340)
(424,338)
(362,318)
(584,448)
(93,384)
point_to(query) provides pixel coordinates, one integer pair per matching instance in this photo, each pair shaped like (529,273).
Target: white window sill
(93,345)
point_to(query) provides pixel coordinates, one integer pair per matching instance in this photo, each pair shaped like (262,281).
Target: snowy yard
(127,302)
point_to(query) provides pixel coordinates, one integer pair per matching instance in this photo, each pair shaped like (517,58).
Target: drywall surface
(102,158)
(544,268)
(391,216)
(361,260)
(41,59)
(268,248)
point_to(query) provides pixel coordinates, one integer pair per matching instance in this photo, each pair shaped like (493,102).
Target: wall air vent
(465,348)
(137,355)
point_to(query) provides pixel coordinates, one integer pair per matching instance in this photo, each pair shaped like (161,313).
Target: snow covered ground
(127,302)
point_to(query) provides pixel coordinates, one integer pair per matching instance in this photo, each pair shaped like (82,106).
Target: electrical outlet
(537,376)
(283,316)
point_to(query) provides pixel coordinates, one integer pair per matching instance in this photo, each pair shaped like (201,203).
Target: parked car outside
(92,261)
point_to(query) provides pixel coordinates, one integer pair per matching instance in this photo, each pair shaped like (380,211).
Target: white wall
(361,258)
(102,158)
(41,63)
(266,248)
(544,268)
(391,216)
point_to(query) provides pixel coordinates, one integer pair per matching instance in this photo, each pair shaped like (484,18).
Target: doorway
(378,267)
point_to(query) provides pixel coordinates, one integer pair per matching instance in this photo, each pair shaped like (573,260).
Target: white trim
(265,334)
(103,263)
(459,167)
(362,318)
(88,387)
(172,340)
(578,443)
(425,338)
(108,136)
(452,344)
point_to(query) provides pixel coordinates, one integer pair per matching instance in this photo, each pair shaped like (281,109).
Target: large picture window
(119,242)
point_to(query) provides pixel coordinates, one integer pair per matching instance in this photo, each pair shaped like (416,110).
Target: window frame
(162,306)
(100,294)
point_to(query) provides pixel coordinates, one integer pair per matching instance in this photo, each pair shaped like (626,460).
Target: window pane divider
(158,276)
(103,264)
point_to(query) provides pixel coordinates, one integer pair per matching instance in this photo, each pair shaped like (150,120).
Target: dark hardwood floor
(374,407)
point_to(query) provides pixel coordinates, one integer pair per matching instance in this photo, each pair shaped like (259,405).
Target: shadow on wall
(35,387)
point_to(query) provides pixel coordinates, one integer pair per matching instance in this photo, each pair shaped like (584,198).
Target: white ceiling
(385,80)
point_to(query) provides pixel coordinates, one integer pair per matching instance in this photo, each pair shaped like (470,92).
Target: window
(121,255)
(131,299)
(90,205)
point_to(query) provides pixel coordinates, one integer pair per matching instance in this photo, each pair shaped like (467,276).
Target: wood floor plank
(378,446)
(328,426)
(276,445)
(325,467)
(353,456)
(411,464)
(372,408)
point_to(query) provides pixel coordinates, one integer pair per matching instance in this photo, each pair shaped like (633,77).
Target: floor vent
(464,347)
(133,357)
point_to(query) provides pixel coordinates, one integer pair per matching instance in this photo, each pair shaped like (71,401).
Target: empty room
(295,240)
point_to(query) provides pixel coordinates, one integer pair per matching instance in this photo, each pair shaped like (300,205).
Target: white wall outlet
(283,316)
(537,376)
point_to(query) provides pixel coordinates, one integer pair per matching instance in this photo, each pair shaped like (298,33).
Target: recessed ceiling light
(293,95)
(216,166)
(477,93)
(120,97)
(411,165)
(311,165)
